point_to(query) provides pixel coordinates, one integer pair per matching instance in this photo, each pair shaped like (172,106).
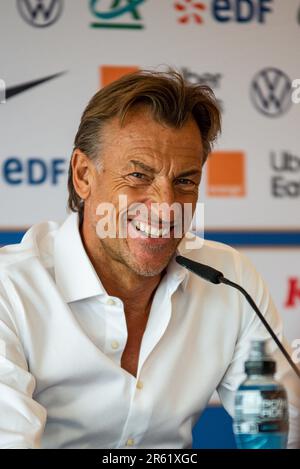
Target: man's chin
(149,265)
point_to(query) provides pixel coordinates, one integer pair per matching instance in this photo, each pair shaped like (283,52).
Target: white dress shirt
(62,338)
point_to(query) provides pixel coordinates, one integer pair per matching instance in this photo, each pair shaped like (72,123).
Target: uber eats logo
(285,182)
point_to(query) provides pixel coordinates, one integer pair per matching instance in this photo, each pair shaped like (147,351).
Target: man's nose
(163,193)
(162,202)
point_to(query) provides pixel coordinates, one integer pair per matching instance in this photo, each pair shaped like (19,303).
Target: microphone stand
(214,276)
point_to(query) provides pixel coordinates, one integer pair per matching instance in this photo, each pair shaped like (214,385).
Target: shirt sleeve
(22,420)
(252,328)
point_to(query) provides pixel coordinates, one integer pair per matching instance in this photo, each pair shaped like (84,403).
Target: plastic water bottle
(261,406)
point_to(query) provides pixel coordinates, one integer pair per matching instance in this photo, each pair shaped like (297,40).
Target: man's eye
(185,181)
(138,175)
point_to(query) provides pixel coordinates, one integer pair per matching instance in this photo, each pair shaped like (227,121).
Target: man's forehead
(143,131)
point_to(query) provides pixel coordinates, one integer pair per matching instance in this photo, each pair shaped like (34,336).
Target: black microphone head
(205,271)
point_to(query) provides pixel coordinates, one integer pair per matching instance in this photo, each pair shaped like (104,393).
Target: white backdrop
(234,42)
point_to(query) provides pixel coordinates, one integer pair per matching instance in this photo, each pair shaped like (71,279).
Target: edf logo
(32,171)
(241,11)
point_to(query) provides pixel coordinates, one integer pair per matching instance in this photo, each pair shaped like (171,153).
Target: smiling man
(150,163)
(106,341)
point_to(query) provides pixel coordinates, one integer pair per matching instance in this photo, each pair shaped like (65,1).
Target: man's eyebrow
(145,167)
(142,165)
(190,172)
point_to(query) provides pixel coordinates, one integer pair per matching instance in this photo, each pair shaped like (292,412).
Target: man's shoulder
(218,255)
(200,249)
(216,248)
(36,244)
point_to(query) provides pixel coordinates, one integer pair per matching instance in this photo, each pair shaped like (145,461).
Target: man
(107,341)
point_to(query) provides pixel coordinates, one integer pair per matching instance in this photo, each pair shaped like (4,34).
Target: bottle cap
(259,362)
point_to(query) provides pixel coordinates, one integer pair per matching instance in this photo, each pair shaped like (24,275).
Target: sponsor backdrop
(55,54)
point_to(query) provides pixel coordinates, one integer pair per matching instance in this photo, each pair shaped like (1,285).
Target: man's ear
(82,170)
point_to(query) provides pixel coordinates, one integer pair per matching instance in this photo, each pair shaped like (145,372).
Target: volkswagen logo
(271,92)
(40,13)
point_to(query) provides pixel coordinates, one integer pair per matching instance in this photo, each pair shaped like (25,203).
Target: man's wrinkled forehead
(140,132)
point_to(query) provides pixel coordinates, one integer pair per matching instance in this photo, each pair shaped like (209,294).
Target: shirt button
(130,442)
(139,385)
(115,344)
(110,301)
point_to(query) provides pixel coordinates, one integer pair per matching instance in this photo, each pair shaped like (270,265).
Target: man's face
(149,163)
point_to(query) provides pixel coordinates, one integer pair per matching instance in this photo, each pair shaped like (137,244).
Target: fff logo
(2,92)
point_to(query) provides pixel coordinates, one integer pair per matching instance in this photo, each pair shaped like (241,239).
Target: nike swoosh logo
(15,90)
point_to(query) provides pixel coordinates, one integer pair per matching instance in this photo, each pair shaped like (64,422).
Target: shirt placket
(115,330)
(141,412)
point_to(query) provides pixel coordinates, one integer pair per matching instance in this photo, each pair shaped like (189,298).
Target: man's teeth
(149,230)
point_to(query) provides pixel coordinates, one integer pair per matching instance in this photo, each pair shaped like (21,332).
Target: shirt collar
(176,274)
(75,275)
(188,244)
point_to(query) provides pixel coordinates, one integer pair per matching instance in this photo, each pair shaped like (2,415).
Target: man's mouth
(150,230)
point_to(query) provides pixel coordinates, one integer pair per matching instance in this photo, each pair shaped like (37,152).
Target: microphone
(215,276)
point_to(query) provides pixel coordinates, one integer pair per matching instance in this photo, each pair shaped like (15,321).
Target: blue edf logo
(33,171)
(241,11)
